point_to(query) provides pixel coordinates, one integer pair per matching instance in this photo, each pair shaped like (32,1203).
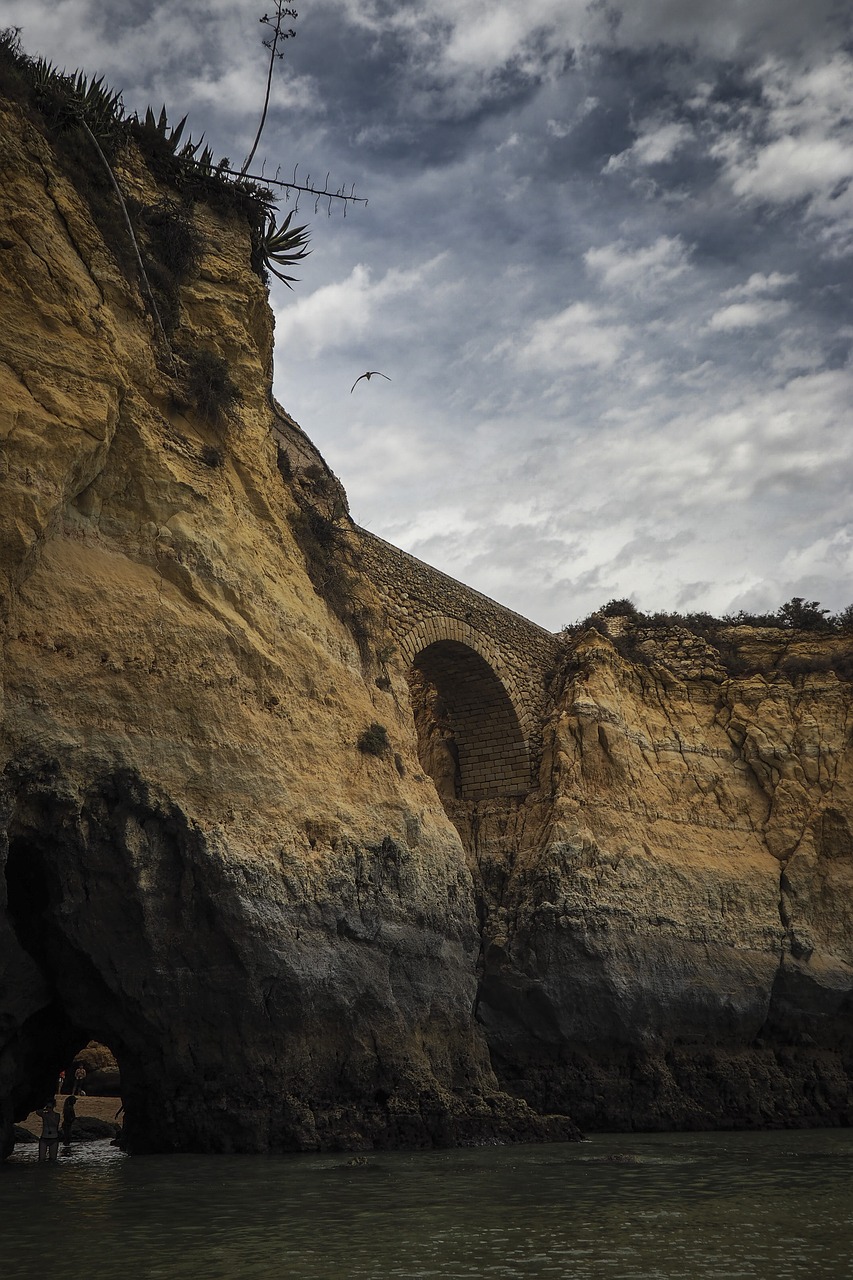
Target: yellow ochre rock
(223,856)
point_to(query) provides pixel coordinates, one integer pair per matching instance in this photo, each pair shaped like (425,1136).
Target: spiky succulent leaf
(175,134)
(44,77)
(283,246)
(157,129)
(205,160)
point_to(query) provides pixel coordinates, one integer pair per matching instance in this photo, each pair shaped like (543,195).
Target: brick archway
(440,627)
(471,728)
(424,607)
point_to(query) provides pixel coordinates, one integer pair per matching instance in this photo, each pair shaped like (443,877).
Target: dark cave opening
(68,1045)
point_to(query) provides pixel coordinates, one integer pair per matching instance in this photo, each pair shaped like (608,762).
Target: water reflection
(637,1208)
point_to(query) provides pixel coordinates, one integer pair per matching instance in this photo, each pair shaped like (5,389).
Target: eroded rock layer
(668,925)
(223,855)
(272,929)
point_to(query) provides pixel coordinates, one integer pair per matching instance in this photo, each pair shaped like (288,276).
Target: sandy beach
(99,1108)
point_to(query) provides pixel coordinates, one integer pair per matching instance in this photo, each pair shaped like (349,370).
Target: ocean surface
(769,1205)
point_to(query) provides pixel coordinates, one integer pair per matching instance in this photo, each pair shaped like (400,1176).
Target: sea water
(632,1207)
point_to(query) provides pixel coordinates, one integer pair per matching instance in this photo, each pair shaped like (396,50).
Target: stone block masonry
(492,664)
(495,662)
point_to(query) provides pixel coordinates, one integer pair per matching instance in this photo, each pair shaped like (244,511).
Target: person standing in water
(69,1115)
(49,1140)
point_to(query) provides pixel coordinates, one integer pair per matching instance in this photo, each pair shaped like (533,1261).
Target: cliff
(272,929)
(669,921)
(223,856)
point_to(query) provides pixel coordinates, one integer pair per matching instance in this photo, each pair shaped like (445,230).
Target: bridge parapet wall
(424,606)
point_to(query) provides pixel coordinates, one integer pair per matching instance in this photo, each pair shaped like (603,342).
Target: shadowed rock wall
(667,927)
(626,897)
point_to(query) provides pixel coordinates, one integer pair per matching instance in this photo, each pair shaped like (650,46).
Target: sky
(605,266)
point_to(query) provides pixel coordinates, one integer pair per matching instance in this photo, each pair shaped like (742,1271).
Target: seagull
(371,374)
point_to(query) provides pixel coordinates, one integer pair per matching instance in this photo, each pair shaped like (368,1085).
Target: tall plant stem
(251,154)
(273,53)
(317,192)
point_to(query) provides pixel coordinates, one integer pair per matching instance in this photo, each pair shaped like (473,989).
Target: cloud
(796,145)
(639,270)
(728,28)
(723,27)
(830,555)
(562,128)
(341,314)
(746,315)
(581,336)
(759,284)
(791,168)
(657,142)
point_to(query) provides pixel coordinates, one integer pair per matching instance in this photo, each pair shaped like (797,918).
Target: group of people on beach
(54,1129)
(79,1081)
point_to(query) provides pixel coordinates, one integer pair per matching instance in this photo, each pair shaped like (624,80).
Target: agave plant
(158,129)
(204,163)
(97,104)
(44,76)
(10,43)
(284,245)
(75,99)
(161,141)
(52,90)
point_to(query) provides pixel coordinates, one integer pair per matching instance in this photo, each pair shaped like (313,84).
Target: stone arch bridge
(485,669)
(479,670)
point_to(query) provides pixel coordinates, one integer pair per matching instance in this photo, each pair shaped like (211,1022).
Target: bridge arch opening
(469,738)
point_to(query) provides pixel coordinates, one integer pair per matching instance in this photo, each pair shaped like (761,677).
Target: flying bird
(371,374)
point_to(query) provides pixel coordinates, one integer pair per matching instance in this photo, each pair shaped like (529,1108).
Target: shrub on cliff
(207,385)
(172,251)
(619,609)
(374,741)
(804,615)
(796,614)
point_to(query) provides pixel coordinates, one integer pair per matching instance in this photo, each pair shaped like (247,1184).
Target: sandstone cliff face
(273,931)
(290,943)
(669,927)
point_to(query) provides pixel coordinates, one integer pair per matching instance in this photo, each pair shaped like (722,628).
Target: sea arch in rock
(108,919)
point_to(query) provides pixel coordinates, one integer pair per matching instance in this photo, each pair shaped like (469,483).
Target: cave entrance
(69,1044)
(469,738)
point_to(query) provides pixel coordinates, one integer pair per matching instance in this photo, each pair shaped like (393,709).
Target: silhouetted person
(49,1140)
(69,1115)
(118,1139)
(79,1081)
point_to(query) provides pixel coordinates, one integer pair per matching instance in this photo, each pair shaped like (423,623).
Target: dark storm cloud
(605,262)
